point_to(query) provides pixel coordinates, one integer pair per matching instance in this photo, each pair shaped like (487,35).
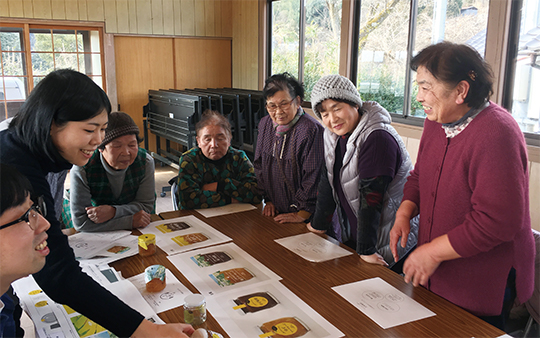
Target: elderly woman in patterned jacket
(214,173)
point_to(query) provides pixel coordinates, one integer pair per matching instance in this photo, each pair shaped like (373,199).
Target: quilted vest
(375,118)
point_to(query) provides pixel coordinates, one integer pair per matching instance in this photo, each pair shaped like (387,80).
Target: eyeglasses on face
(272,108)
(31,215)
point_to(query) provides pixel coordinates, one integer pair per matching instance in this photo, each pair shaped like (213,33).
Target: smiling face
(121,152)
(339,117)
(441,103)
(22,250)
(281,107)
(214,141)
(77,140)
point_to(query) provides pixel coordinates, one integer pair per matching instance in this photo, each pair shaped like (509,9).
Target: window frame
(27,25)
(498,53)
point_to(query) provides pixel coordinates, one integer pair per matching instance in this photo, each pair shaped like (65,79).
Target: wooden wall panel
(177,9)
(4,8)
(122,20)
(144,17)
(72,10)
(58,9)
(157,17)
(109,12)
(209,8)
(168,17)
(42,10)
(137,71)
(202,63)
(83,13)
(95,10)
(200,27)
(245,44)
(188,17)
(28,8)
(132,10)
(226,15)
(15,9)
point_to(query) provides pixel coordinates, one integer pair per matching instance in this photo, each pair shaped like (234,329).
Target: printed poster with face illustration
(268,310)
(221,268)
(183,234)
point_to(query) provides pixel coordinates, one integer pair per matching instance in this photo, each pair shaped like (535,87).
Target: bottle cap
(194,300)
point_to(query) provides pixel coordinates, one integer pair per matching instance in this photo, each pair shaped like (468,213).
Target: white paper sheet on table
(226,209)
(382,303)
(171,234)
(200,276)
(88,244)
(312,247)
(244,323)
(169,298)
(56,320)
(115,250)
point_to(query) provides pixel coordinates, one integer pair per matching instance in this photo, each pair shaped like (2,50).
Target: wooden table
(312,282)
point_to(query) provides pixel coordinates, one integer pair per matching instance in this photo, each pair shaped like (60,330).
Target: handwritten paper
(86,245)
(313,248)
(226,209)
(382,303)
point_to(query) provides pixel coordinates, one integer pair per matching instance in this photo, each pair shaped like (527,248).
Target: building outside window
(30,52)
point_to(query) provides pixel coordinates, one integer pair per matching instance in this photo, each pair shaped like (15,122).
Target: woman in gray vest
(366,168)
(115,190)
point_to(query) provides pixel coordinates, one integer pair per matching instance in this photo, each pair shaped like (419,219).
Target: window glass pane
(525,100)
(285,36)
(40,40)
(14,88)
(13,107)
(459,21)
(322,39)
(64,41)
(11,39)
(65,61)
(98,80)
(13,63)
(37,79)
(42,63)
(383,52)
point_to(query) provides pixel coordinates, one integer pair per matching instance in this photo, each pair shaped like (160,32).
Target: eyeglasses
(272,108)
(31,215)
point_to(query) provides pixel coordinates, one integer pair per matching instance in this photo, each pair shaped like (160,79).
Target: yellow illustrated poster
(87,328)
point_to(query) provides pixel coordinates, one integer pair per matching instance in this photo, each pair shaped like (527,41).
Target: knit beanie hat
(120,124)
(334,87)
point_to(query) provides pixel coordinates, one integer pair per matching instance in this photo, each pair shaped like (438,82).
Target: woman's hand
(140,219)
(150,330)
(269,209)
(100,214)
(423,261)
(310,228)
(374,259)
(402,226)
(291,217)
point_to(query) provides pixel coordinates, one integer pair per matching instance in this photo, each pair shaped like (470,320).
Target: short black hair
(283,81)
(62,96)
(452,63)
(14,188)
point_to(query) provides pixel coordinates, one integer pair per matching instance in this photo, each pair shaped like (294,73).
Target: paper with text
(226,209)
(313,248)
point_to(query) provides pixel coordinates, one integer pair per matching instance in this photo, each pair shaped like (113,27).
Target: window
(387,39)
(29,52)
(525,69)
(306,39)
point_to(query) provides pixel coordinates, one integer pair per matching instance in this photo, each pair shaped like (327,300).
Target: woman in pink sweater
(470,187)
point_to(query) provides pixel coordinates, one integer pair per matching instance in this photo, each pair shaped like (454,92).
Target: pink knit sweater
(475,188)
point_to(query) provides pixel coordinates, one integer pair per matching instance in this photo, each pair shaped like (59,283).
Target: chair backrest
(173,196)
(533,304)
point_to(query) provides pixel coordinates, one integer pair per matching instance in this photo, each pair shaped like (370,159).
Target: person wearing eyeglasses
(289,152)
(214,174)
(61,123)
(23,239)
